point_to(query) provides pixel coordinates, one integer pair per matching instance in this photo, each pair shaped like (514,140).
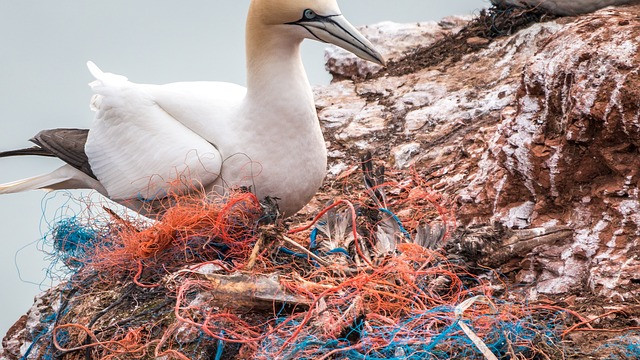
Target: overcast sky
(44,46)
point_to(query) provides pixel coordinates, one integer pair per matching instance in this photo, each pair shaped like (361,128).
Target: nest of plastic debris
(365,278)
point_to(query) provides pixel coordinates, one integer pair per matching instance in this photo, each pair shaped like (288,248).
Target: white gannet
(147,140)
(565,7)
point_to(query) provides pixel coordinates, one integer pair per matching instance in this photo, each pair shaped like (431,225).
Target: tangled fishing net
(211,278)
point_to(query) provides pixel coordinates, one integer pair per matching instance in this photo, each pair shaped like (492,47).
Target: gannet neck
(274,65)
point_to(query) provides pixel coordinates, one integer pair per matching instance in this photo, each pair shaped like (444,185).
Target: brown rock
(537,129)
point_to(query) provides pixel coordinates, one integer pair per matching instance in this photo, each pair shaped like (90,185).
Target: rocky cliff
(539,129)
(526,127)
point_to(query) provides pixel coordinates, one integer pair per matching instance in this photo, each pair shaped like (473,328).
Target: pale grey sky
(44,46)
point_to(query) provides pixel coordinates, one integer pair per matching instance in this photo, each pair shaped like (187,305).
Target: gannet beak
(335,29)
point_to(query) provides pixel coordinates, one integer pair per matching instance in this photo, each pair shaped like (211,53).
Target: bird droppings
(404,154)
(518,217)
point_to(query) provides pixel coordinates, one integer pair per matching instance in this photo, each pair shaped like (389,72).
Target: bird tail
(35,150)
(51,181)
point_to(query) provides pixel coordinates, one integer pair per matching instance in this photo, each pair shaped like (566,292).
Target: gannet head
(319,20)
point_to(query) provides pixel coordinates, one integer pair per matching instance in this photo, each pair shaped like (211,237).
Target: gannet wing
(139,151)
(208,108)
(67,145)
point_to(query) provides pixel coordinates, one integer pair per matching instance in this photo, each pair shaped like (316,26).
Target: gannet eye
(309,14)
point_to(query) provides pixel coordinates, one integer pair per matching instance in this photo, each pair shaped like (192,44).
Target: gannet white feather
(136,148)
(148,139)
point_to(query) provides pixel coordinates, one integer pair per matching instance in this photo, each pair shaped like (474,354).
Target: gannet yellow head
(319,20)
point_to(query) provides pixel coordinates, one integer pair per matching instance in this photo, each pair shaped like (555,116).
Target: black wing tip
(32,151)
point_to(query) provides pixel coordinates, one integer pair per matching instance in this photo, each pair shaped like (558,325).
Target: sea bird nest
(367,278)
